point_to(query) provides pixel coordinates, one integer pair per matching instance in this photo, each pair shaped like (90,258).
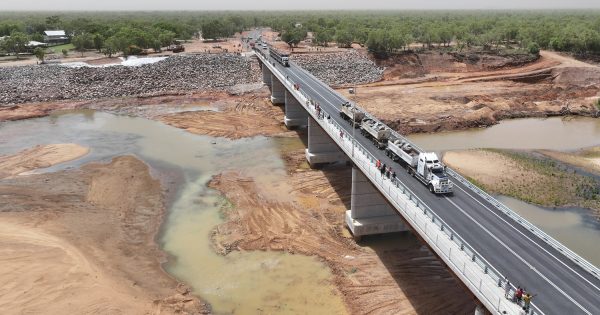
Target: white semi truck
(352,114)
(376,132)
(426,167)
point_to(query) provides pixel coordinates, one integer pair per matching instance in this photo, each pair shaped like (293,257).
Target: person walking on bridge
(382,169)
(507,288)
(378,164)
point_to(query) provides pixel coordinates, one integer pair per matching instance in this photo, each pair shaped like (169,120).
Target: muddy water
(557,133)
(572,227)
(239,283)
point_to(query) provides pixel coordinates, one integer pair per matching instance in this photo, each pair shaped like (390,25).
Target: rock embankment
(174,74)
(343,68)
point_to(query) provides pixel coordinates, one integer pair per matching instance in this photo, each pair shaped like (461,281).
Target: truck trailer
(376,132)
(282,58)
(425,166)
(352,114)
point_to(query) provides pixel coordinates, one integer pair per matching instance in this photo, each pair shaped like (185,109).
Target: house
(55,37)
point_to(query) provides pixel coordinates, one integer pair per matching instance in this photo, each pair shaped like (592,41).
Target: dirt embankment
(529,177)
(83,241)
(383,278)
(443,98)
(40,157)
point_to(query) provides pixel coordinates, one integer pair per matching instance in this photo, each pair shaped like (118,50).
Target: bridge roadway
(561,285)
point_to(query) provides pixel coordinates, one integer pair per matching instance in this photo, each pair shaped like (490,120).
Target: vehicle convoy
(352,114)
(282,58)
(425,166)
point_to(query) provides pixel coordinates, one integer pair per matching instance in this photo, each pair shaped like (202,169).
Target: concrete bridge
(483,242)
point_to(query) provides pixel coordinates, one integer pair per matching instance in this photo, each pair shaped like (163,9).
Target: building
(55,37)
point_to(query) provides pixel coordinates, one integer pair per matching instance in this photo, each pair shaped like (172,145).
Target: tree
(212,29)
(343,38)
(82,42)
(293,36)
(533,48)
(40,53)
(53,21)
(16,43)
(110,47)
(98,41)
(323,36)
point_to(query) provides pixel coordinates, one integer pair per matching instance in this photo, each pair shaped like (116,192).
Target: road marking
(527,237)
(518,257)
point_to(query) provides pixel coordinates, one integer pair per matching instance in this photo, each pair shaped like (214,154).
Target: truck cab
(433,172)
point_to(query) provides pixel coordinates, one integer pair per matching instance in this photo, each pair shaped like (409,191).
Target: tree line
(382,32)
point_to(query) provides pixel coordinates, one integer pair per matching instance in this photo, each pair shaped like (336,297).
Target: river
(239,283)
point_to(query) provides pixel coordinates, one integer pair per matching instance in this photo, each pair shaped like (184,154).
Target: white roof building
(58,33)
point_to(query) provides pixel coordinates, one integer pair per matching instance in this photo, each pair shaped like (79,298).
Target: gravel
(342,68)
(174,74)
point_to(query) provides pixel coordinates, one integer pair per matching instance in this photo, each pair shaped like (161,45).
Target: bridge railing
(586,265)
(485,281)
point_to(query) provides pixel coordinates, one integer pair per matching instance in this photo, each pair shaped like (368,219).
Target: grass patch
(545,182)
(58,49)
(225,207)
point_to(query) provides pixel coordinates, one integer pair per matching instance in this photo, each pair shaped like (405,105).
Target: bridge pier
(321,148)
(277,91)
(370,213)
(295,114)
(266,75)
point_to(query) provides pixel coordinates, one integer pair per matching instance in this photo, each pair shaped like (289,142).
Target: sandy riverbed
(82,241)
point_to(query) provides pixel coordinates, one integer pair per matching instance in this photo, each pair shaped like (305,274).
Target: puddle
(239,283)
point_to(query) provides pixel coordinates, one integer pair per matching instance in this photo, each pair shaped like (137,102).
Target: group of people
(386,171)
(519,296)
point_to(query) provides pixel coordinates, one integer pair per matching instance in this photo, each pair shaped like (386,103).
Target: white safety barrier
(475,272)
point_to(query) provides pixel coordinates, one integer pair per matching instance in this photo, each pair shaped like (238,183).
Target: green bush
(533,48)
(65,52)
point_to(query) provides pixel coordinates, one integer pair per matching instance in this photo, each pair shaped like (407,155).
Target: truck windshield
(438,171)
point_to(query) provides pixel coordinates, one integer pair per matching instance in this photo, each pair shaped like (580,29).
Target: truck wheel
(431,188)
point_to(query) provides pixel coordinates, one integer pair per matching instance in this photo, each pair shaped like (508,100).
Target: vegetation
(40,53)
(382,32)
(547,182)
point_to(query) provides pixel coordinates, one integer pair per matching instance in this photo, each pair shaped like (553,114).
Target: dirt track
(82,241)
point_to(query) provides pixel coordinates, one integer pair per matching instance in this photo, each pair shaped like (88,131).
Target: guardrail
(485,281)
(589,267)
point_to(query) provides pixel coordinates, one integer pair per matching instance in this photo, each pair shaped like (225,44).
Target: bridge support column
(370,213)
(277,91)
(321,148)
(266,75)
(295,114)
